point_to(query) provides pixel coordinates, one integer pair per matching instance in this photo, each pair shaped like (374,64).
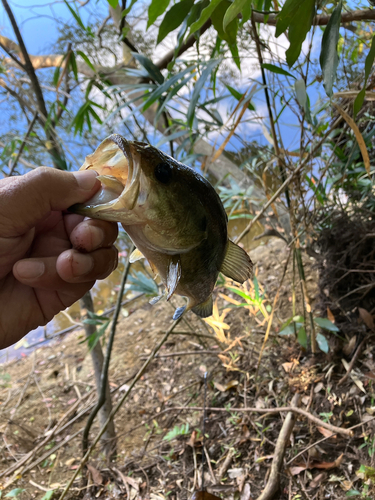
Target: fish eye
(163,172)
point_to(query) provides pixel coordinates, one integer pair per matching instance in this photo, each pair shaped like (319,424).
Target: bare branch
(322,20)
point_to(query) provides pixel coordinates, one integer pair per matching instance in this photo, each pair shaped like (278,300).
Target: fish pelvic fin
(237,264)
(136,255)
(173,275)
(179,312)
(204,309)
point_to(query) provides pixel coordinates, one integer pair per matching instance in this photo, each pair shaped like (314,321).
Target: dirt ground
(159,427)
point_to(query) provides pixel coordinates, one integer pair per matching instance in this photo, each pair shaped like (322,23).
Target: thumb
(27,199)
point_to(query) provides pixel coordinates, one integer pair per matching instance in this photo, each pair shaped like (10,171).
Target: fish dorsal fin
(204,309)
(237,264)
(136,255)
(173,275)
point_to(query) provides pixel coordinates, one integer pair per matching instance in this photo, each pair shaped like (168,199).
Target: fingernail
(86,179)
(97,236)
(81,264)
(30,269)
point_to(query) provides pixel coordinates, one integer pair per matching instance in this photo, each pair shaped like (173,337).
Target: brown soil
(37,391)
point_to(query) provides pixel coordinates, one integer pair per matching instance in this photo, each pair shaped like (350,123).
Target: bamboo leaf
(174,17)
(329,58)
(301,94)
(197,90)
(326,324)
(361,143)
(86,59)
(368,65)
(76,16)
(205,15)
(237,95)
(113,3)
(217,18)
(276,69)
(156,9)
(322,343)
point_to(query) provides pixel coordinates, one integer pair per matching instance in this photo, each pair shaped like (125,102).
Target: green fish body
(173,215)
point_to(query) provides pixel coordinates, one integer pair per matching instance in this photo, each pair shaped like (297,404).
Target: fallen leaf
(366,318)
(318,479)
(326,432)
(191,441)
(95,474)
(354,377)
(70,461)
(349,347)
(330,315)
(370,375)
(224,388)
(204,495)
(316,465)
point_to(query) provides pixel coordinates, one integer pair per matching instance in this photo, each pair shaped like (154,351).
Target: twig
(316,420)
(352,362)
(118,406)
(282,442)
(183,353)
(104,375)
(226,464)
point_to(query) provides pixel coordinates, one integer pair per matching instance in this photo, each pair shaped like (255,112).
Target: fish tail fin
(237,264)
(204,309)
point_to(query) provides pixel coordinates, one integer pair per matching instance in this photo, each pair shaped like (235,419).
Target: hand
(48,259)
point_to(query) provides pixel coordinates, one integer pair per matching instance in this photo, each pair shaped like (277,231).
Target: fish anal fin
(156,299)
(179,312)
(173,275)
(204,309)
(237,264)
(136,255)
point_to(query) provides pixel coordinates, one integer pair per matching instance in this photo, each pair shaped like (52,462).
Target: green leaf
(176,432)
(152,70)
(297,15)
(14,493)
(139,282)
(322,343)
(156,9)
(217,17)
(174,17)
(237,95)
(48,494)
(326,324)
(196,12)
(301,93)
(73,65)
(276,69)
(113,4)
(302,337)
(87,60)
(232,12)
(159,91)
(197,90)
(76,16)
(329,58)
(368,65)
(205,15)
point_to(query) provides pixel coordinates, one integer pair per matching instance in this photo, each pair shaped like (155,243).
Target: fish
(173,215)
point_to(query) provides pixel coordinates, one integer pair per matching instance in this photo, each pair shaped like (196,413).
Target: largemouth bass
(173,215)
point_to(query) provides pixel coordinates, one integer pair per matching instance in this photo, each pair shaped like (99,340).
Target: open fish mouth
(118,168)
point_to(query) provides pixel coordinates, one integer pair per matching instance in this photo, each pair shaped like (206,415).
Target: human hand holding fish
(48,258)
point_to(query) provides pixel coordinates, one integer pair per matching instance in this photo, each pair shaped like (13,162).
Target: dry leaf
(192,438)
(326,432)
(318,479)
(358,136)
(366,318)
(224,388)
(70,461)
(330,315)
(204,495)
(95,474)
(316,465)
(370,375)
(349,347)
(353,376)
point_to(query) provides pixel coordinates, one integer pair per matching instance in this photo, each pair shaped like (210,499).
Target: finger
(68,269)
(90,235)
(31,197)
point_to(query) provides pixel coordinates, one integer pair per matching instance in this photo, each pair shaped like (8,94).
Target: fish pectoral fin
(136,255)
(204,309)
(173,275)
(237,264)
(156,299)
(179,312)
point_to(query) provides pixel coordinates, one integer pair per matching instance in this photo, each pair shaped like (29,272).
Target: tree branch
(322,20)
